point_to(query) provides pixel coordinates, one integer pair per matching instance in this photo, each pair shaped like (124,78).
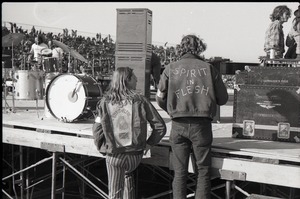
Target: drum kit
(68,97)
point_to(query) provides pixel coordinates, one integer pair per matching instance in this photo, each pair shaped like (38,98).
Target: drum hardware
(93,66)
(74,91)
(73,97)
(36,102)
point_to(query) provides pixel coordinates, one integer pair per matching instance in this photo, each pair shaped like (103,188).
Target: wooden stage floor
(258,161)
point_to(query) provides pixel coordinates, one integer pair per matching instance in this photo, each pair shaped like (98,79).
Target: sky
(231,30)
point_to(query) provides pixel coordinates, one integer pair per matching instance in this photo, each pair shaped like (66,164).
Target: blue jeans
(191,135)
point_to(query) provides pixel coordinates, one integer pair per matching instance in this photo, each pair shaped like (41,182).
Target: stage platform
(266,162)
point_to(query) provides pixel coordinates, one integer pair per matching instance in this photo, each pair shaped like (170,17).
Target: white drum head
(66,97)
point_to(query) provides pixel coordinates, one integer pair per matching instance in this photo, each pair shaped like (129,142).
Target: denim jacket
(142,112)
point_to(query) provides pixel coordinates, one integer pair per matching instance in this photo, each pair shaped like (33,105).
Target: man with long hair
(189,91)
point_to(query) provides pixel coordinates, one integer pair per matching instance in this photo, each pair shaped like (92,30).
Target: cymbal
(72,52)
(76,55)
(12,39)
(46,51)
(62,45)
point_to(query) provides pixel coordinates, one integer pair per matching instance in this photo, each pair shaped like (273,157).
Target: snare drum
(28,85)
(72,97)
(50,65)
(46,52)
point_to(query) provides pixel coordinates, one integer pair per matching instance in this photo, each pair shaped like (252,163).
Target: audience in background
(98,50)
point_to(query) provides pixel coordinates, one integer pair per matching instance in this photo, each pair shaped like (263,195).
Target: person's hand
(148,147)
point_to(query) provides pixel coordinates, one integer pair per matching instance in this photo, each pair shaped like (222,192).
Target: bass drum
(72,97)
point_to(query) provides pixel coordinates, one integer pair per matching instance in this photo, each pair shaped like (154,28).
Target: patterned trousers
(120,169)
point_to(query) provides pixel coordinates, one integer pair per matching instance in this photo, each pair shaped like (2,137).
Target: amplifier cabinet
(267,113)
(141,65)
(273,76)
(134,30)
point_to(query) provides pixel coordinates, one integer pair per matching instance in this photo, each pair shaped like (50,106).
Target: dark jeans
(191,136)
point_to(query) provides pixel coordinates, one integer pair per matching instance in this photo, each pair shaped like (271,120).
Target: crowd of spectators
(98,50)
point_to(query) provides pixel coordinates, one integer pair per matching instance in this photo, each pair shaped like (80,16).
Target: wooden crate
(267,113)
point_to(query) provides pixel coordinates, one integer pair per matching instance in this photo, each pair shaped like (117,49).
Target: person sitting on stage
(120,131)
(36,49)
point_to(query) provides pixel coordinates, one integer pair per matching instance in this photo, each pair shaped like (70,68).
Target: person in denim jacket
(189,91)
(120,131)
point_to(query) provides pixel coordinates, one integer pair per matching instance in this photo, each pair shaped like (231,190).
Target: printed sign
(283,130)
(248,127)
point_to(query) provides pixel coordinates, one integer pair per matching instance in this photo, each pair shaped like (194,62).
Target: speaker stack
(134,44)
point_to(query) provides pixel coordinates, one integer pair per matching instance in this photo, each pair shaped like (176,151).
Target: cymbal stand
(13,79)
(36,106)
(5,94)
(69,63)
(24,66)
(93,65)
(43,63)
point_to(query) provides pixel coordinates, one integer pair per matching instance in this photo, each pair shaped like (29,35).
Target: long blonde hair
(118,91)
